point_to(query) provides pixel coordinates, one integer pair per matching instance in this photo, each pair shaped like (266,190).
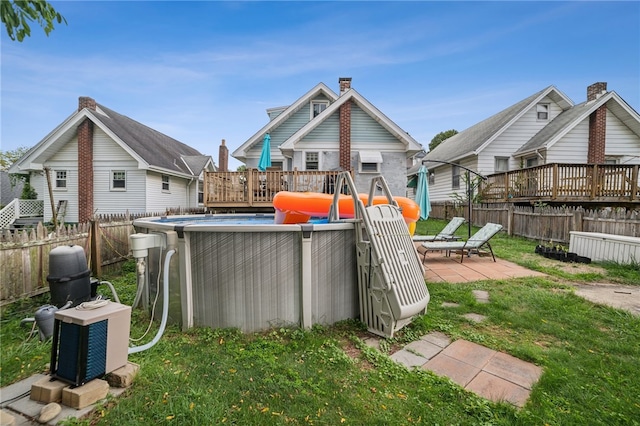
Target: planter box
(605,247)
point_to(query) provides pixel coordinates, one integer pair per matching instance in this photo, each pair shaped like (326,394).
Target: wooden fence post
(576,223)
(510,214)
(94,247)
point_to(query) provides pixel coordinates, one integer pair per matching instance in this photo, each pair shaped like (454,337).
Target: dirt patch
(614,295)
(568,267)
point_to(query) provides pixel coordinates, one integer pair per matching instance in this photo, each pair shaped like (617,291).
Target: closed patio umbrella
(265,155)
(422,193)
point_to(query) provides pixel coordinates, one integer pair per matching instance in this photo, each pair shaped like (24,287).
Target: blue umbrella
(265,155)
(422,193)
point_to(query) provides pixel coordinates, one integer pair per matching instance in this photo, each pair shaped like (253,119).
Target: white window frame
(432,178)
(313,113)
(542,112)
(501,160)
(166,183)
(307,161)
(531,161)
(113,179)
(61,180)
(369,166)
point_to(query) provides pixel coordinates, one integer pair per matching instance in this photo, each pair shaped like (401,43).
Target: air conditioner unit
(89,343)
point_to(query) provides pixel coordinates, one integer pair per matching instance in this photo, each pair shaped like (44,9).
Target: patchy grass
(328,376)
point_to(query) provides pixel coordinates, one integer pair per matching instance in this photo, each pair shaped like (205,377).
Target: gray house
(101,162)
(546,127)
(323,130)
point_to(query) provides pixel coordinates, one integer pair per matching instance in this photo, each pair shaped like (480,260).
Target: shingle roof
(154,147)
(470,140)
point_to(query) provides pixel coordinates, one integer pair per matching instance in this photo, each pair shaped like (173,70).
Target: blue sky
(208,70)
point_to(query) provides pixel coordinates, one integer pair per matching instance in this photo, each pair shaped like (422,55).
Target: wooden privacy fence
(545,223)
(24,256)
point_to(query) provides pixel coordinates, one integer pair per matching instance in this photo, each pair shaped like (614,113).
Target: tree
(440,137)
(16,14)
(7,158)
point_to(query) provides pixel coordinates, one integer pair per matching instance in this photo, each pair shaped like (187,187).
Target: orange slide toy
(299,207)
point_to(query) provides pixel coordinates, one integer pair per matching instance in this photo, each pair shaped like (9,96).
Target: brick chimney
(85,162)
(223,157)
(345,126)
(596,90)
(345,84)
(597,125)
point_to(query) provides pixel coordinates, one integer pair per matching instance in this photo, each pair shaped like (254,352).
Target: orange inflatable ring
(299,207)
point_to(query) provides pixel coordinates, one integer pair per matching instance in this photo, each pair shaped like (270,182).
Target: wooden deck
(570,183)
(253,188)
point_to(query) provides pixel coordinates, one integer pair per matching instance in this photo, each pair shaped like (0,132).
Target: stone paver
(469,353)
(458,371)
(508,367)
(477,318)
(424,348)
(498,389)
(482,296)
(408,359)
(437,338)
(450,305)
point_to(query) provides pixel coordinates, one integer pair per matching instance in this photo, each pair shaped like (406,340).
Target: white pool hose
(165,307)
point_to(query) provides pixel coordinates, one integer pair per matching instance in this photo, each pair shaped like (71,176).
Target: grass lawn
(590,355)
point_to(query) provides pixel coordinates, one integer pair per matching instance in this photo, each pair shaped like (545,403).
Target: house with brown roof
(98,161)
(544,128)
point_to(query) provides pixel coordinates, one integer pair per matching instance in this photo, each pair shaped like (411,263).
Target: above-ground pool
(245,272)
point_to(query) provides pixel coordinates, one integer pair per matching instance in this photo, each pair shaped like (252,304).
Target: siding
(109,156)
(157,200)
(572,147)
(64,159)
(514,137)
(621,141)
(364,129)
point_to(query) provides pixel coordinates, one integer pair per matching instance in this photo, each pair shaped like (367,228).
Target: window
(501,164)
(165,183)
(370,161)
(200,192)
(311,161)
(118,180)
(432,178)
(542,112)
(531,161)
(455,176)
(611,160)
(276,165)
(317,107)
(61,179)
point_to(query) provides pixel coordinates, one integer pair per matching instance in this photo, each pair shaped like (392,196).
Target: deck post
(634,182)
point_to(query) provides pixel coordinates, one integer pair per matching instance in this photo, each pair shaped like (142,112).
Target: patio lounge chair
(446,234)
(477,240)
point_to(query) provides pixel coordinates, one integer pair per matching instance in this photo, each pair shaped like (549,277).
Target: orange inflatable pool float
(299,207)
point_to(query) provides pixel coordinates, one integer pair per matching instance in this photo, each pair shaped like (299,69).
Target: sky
(204,71)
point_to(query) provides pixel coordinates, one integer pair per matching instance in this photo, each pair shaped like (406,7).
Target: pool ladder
(391,285)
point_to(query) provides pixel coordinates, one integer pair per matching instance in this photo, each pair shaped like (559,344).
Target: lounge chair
(446,234)
(477,240)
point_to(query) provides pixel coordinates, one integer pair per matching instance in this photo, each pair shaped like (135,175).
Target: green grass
(328,376)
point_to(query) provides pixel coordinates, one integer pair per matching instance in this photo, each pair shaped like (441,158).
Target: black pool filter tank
(68,276)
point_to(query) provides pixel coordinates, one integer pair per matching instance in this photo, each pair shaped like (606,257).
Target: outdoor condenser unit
(90,343)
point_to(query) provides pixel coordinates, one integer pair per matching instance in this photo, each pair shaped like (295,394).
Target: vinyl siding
(441,189)
(572,147)
(109,156)
(158,200)
(514,137)
(621,141)
(365,129)
(64,159)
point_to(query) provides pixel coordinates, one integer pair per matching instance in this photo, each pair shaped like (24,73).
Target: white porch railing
(20,208)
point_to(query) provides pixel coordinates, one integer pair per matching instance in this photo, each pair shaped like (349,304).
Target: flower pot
(572,257)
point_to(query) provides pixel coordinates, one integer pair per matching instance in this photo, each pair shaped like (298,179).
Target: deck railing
(255,188)
(20,208)
(565,182)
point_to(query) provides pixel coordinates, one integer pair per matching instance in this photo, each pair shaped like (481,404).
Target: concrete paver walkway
(490,374)
(441,268)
